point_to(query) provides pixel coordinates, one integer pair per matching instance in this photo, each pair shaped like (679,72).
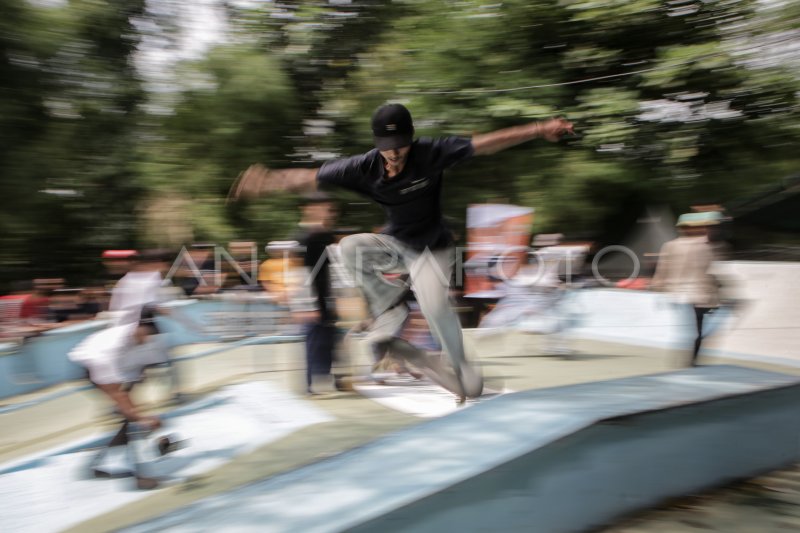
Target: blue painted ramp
(561,459)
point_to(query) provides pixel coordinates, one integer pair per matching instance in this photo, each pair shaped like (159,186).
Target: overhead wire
(670,65)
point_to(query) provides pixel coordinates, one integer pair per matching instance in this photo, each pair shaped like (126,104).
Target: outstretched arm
(258,180)
(551,130)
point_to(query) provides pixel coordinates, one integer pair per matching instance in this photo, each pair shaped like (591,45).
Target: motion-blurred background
(123,123)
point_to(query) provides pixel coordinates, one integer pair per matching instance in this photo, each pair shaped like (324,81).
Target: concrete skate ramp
(53,490)
(561,459)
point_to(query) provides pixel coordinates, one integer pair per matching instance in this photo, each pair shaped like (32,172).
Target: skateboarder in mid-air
(405,176)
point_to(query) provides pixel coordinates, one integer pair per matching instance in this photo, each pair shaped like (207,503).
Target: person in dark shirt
(405,177)
(314,236)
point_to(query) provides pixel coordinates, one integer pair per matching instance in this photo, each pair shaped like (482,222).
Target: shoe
(103,474)
(146,483)
(471,381)
(322,384)
(344,384)
(166,445)
(316,394)
(377,378)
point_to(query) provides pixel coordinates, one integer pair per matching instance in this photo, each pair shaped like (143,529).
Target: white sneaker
(323,384)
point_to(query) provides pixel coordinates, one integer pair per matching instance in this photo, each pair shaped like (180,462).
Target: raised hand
(552,130)
(250,183)
(258,180)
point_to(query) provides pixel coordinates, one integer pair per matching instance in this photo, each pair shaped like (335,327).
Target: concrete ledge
(43,361)
(183,359)
(561,459)
(42,414)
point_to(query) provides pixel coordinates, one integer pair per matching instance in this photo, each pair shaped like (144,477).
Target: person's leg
(699,313)
(320,342)
(430,278)
(365,257)
(326,348)
(123,437)
(310,345)
(119,439)
(96,462)
(161,340)
(431,366)
(149,350)
(137,439)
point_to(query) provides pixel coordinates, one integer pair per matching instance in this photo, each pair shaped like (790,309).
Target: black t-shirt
(412,199)
(315,241)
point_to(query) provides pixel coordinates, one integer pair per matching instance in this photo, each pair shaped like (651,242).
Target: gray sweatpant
(366,255)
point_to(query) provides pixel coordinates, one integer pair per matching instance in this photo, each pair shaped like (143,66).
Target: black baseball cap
(392,127)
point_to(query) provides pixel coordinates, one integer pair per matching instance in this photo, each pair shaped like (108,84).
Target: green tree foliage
(69,101)
(667,110)
(676,102)
(237,106)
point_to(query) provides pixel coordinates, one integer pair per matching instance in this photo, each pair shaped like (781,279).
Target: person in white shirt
(140,287)
(684,271)
(115,358)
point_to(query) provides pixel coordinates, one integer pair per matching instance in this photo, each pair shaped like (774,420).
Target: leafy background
(102,146)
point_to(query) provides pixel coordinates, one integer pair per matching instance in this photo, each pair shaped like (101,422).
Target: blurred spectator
(196,272)
(63,304)
(11,303)
(89,302)
(117,263)
(140,287)
(317,310)
(275,271)
(719,233)
(11,308)
(74,304)
(239,269)
(36,307)
(684,270)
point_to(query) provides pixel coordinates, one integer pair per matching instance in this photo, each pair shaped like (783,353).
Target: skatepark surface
(247,420)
